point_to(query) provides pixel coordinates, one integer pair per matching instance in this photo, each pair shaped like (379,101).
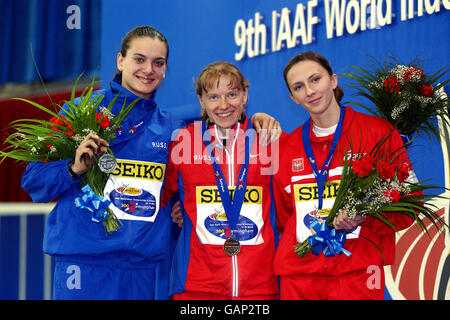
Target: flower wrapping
(59,137)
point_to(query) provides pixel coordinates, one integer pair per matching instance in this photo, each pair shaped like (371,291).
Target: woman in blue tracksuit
(88,263)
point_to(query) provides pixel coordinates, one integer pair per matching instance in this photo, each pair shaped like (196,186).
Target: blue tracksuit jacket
(142,150)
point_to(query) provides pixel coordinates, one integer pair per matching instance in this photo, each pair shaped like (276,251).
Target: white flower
(104,111)
(79,138)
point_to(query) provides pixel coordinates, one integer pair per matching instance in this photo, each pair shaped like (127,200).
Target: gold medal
(231,247)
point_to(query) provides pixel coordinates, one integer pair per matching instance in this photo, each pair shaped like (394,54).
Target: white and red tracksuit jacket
(295,193)
(200,264)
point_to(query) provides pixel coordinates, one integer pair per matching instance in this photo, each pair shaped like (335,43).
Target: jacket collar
(144,105)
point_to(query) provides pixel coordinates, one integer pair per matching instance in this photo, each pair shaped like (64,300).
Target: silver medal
(107,163)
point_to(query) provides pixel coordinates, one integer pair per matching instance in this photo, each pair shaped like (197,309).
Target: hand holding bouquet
(59,138)
(372,186)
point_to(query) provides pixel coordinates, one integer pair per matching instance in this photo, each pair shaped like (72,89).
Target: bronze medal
(107,163)
(231,247)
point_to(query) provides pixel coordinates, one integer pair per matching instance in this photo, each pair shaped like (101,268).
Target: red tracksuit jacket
(295,193)
(200,264)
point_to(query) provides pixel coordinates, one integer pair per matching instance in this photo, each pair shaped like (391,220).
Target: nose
(309,90)
(223,102)
(148,68)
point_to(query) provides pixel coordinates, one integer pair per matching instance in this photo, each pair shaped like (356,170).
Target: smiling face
(144,65)
(223,102)
(311,86)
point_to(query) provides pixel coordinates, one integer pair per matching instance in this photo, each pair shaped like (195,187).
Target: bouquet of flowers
(59,137)
(404,95)
(371,185)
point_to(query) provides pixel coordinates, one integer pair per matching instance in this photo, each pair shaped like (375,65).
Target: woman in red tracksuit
(312,84)
(223,176)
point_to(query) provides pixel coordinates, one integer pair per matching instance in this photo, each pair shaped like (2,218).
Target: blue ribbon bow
(327,240)
(94,203)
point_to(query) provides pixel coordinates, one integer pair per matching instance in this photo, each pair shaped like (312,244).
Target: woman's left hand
(344,222)
(267,127)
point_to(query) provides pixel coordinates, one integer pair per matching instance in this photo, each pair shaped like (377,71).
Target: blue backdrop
(201,31)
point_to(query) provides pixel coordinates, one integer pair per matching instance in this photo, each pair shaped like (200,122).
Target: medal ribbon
(232,207)
(321,176)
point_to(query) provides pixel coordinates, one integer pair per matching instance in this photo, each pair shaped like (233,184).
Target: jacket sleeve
(170,187)
(46,181)
(281,191)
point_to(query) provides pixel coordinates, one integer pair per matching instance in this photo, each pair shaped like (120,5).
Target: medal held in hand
(231,247)
(107,163)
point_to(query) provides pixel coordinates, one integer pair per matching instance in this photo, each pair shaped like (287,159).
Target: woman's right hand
(177,216)
(84,155)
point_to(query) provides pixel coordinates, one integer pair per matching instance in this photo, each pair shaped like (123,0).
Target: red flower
(392,194)
(402,172)
(56,121)
(62,121)
(392,84)
(411,71)
(363,166)
(385,170)
(104,123)
(425,90)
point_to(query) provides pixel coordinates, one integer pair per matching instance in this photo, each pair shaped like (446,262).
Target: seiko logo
(212,195)
(139,170)
(310,192)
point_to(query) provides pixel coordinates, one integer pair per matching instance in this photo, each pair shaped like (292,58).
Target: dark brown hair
(316,57)
(142,31)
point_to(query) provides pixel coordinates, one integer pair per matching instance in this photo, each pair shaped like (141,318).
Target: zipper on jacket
(234,259)
(235,287)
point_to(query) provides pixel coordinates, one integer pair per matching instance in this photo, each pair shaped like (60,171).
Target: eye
(159,63)
(297,87)
(316,79)
(139,59)
(213,97)
(232,95)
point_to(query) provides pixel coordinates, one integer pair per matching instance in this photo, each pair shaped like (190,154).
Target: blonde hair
(210,77)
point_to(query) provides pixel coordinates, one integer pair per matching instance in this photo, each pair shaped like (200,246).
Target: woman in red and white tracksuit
(222,253)
(312,84)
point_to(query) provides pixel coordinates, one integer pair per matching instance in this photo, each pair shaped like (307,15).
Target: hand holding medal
(90,148)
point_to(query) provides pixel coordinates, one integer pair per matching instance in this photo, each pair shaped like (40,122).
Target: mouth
(224,115)
(145,80)
(314,101)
